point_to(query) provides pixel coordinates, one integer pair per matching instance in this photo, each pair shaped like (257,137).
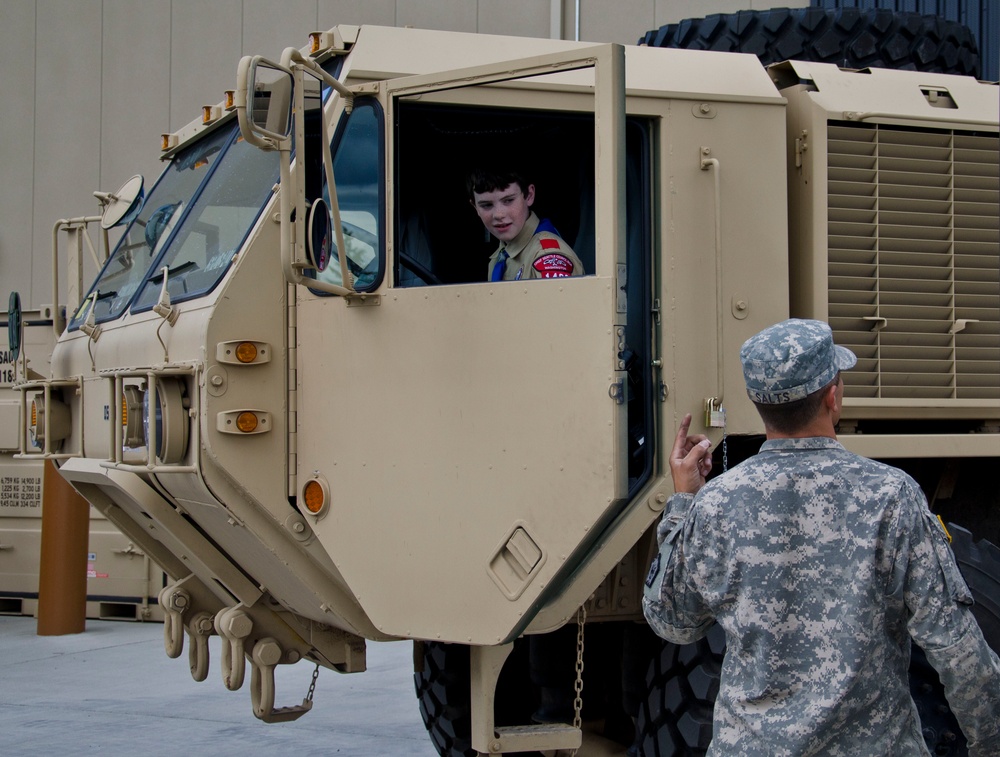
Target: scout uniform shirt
(536,254)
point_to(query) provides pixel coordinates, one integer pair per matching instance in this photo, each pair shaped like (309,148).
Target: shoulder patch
(553,265)
(654,571)
(549,244)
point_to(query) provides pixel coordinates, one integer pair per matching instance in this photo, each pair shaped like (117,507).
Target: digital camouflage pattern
(820,565)
(792,359)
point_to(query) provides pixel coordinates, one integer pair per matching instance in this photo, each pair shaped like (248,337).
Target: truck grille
(914,260)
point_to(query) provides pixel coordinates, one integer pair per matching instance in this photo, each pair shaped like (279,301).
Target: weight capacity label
(20,495)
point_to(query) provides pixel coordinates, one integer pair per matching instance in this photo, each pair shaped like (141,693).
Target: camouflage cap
(791,360)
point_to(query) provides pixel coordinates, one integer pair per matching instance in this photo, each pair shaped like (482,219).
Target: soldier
(529,248)
(820,565)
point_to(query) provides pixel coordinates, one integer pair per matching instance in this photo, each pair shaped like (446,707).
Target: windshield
(145,236)
(211,233)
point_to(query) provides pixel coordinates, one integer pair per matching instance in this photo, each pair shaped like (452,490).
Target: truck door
(471,437)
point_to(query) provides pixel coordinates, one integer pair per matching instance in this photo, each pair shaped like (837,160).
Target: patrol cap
(792,359)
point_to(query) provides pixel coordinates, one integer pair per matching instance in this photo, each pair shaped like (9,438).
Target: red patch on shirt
(553,265)
(549,244)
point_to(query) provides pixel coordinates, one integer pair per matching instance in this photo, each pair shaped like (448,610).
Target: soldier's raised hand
(690,459)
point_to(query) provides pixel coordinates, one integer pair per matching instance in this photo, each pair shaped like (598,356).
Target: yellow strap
(943,526)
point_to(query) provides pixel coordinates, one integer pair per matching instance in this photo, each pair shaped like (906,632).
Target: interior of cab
(441,239)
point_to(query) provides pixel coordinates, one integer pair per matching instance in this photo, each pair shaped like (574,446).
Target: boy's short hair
(792,417)
(492,179)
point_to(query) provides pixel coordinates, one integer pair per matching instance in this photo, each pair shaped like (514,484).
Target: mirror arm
(292,274)
(293,62)
(295,57)
(299,62)
(338,226)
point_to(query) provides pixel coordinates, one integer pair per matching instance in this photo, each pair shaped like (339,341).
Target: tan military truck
(121,581)
(292,386)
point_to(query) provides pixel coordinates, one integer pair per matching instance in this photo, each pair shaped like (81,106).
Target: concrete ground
(112,691)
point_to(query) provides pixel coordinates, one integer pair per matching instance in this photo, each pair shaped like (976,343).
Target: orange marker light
(246,352)
(246,422)
(313,496)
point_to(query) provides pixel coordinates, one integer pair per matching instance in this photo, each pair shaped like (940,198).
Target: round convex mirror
(319,235)
(123,204)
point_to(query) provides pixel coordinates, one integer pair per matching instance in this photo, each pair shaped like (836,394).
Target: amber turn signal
(314,497)
(246,422)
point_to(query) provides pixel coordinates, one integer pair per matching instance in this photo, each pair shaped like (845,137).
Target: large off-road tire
(848,37)
(441,679)
(980,565)
(675,720)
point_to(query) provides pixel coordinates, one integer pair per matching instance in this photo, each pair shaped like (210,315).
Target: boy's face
(504,211)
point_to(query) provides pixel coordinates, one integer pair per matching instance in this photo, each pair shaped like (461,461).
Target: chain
(312,684)
(725,443)
(581,619)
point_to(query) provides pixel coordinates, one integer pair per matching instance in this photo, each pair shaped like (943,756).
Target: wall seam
(170,68)
(32,299)
(100,110)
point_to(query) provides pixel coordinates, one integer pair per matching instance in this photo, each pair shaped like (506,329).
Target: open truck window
(441,239)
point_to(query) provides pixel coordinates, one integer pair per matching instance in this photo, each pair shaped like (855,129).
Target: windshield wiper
(171,272)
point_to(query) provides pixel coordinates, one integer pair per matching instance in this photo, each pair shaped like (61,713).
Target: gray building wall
(89,85)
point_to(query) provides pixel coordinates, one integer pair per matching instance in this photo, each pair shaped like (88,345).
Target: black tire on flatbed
(847,37)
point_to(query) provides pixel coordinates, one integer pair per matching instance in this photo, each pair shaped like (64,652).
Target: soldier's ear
(831,399)
(529,195)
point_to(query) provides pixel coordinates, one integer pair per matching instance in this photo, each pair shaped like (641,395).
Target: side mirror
(15,327)
(266,88)
(320,235)
(121,206)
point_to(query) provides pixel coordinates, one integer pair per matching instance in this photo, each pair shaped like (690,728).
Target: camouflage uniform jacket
(820,565)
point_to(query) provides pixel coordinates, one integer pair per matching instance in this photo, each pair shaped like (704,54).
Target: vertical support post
(62,575)
(609,160)
(485,664)
(74,268)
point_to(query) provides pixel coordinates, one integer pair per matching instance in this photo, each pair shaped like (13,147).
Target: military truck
(292,386)
(121,581)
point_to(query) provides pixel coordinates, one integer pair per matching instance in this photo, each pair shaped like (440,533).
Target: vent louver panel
(914,260)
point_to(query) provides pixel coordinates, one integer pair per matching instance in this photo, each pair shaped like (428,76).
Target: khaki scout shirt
(536,256)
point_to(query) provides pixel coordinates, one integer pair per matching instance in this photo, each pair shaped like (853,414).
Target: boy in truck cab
(530,248)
